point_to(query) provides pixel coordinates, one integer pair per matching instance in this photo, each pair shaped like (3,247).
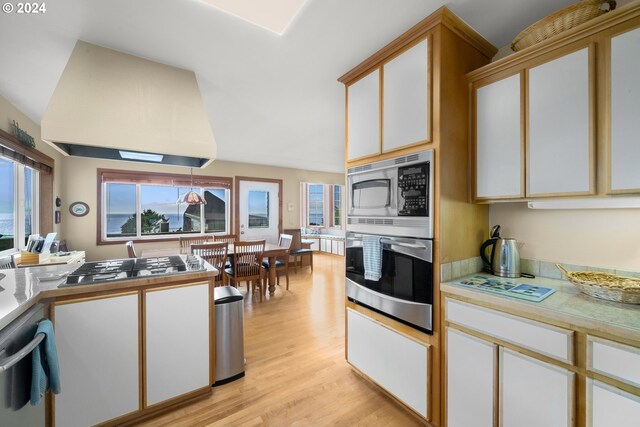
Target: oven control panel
(413,190)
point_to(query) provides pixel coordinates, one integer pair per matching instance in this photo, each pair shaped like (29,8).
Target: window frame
(19,212)
(324,198)
(332,206)
(139,178)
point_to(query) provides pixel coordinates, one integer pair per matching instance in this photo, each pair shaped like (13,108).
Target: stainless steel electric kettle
(505,258)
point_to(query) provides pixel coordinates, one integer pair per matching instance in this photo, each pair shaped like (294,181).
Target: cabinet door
(363,117)
(334,247)
(499,140)
(397,363)
(471,364)
(341,248)
(534,393)
(560,148)
(177,341)
(323,245)
(98,344)
(608,406)
(315,246)
(405,98)
(625,111)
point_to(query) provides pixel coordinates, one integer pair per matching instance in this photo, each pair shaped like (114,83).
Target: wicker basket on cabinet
(562,20)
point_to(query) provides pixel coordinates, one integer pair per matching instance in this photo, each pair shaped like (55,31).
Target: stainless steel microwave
(392,197)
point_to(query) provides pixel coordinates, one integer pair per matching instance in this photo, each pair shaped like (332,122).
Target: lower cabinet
(609,406)
(177,340)
(98,351)
(534,393)
(101,340)
(397,363)
(471,388)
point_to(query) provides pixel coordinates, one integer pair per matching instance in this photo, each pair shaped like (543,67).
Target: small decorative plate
(79,209)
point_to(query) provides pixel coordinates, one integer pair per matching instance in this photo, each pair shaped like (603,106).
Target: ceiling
(271,99)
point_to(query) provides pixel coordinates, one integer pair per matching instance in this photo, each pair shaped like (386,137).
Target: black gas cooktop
(120,269)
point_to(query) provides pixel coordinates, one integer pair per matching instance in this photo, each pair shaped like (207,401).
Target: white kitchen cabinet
(625,111)
(315,245)
(397,363)
(97,341)
(614,360)
(608,406)
(363,117)
(337,247)
(534,393)
(405,103)
(177,327)
(560,152)
(471,384)
(325,245)
(499,144)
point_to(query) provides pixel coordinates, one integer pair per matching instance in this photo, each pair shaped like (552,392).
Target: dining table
(271,251)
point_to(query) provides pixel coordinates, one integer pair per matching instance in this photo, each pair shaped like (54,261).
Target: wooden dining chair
(247,265)
(297,251)
(215,254)
(187,241)
(131,250)
(282,263)
(229,238)
(7,263)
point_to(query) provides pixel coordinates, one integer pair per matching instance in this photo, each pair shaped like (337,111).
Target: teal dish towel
(372,257)
(45,369)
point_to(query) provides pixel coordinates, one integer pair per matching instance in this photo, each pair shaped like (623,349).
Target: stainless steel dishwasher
(229,334)
(17,341)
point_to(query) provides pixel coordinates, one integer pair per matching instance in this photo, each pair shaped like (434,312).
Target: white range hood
(108,103)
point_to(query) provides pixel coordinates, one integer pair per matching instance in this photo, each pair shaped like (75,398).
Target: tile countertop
(322,236)
(567,305)
(20,289)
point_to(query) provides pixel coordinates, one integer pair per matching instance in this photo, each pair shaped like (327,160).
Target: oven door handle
(7,363)
(401,244)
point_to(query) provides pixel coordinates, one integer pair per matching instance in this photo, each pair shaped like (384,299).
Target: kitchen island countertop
(20,289)
(567,305)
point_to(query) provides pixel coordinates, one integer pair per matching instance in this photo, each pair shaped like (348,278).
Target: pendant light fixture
(191,197)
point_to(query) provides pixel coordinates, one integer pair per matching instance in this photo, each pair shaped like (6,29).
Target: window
(258,209)
(321,205)
(18,205)
(140,205)
(316,205)
(337,206)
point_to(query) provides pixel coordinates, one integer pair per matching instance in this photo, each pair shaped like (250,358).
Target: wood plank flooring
(296,373)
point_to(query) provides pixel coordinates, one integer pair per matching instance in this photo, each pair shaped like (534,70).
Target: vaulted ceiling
(271,99)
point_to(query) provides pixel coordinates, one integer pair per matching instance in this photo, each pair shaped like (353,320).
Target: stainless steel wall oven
(404,290)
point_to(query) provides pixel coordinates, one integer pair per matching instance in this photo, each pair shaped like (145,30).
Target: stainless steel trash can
(229,334)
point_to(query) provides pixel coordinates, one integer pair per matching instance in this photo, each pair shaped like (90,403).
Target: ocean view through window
(18,205)
(148,209)
(316,205)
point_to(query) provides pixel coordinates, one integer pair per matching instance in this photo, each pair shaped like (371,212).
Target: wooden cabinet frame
(473,131)
(605,93)
(580,367)
(597,36)
(544,59)
(143,410)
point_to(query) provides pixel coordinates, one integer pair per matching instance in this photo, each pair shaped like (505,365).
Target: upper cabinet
(625,113)
(405,100)
(499,139)
(559,148)
(363,117)
(577,115)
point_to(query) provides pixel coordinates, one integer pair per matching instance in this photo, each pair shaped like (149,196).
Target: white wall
(598,238)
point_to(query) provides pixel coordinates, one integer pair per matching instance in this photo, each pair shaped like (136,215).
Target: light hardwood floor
(296,373)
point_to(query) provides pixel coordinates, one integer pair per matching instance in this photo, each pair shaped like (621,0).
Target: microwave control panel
(413,190)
